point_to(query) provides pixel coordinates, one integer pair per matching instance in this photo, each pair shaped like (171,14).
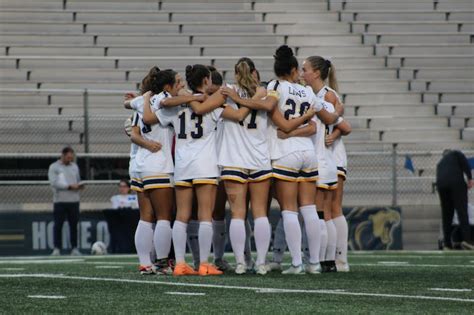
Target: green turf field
(379,282)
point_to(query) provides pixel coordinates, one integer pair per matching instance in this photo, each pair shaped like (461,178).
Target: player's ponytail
(326,70)
(195,76)
(243,76)
(147,80)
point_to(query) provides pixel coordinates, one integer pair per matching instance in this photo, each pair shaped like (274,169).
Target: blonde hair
(245,79)
(327,70)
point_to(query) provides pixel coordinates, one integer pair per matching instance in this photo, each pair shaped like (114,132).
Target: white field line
(393,262)
(108,267)
(215,286)
(112,263)
(66,257)
(55,297)
(186,293)
(450,290)
(12,269)
(40,261)
(400,265)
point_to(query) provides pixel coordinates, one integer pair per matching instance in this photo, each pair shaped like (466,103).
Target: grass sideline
(379,282)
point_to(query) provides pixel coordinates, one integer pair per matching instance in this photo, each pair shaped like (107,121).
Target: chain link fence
(31,142)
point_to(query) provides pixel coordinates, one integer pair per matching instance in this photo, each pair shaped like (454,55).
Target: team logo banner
(374,228)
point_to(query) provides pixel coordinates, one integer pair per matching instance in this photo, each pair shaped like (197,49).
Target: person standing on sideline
(453,179)
(65,180)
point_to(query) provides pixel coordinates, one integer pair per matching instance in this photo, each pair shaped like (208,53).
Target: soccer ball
(99,248)
(128,126)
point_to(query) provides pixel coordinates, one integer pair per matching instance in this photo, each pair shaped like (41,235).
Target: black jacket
(451,170)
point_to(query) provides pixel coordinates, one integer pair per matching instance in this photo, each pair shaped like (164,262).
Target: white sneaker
(261,270)
(56,252)
(313,268)
(342,266)
(294,270)
(240,269)
(273,266)
(75,252)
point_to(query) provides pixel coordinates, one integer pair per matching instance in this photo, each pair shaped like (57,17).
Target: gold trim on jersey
(205,181)
(274,94)
(261,178)
(234,178)
(285,178)
(135,188)
(327,187)
(183,184)
(157,186)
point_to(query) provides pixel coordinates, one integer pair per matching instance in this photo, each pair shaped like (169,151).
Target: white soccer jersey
(338,148)
(293,101)
(244,144)
(327,168)
(160,162)
(195,152)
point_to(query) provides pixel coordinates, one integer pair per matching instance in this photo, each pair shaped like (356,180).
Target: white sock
(248,243)
(262,233)
(279,242)
(324,240)
(293,235)
(332,240)
(313,231)
(342,235)
(304,240)
(144,242)
(162,238)
(218,238)
(237,239)
(193,240)
(153,251)
(205,241)
(179,240)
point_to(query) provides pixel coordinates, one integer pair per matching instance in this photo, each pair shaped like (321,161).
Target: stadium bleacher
(405,68)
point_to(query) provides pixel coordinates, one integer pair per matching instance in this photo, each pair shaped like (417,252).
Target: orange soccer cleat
(207,269)
(183,269)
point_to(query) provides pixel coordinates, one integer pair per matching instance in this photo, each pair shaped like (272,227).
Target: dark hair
(67,150)
(285,61)
(163,78)
(326,69)
(195,75)
(125,181)
(216,77)
(145,86)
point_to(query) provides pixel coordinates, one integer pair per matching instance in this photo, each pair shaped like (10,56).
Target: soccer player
(293,159)
(332,162)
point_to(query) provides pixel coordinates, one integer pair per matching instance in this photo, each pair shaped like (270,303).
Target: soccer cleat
(261,270)
(146,270)
(328,266)
(240,269)
(56,252)
(294,270)
(467,245)
(183,269)
(222,265)
(342,266)
(207,269)
(313,269)
(75,252)
(162,267)
(273,266)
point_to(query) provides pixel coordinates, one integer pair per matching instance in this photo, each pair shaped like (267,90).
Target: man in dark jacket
(453,179)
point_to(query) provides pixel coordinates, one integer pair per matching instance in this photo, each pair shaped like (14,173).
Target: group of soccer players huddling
(198,147)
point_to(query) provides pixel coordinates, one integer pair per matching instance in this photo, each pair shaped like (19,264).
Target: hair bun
(283,52)
(189,69)
(328,63)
